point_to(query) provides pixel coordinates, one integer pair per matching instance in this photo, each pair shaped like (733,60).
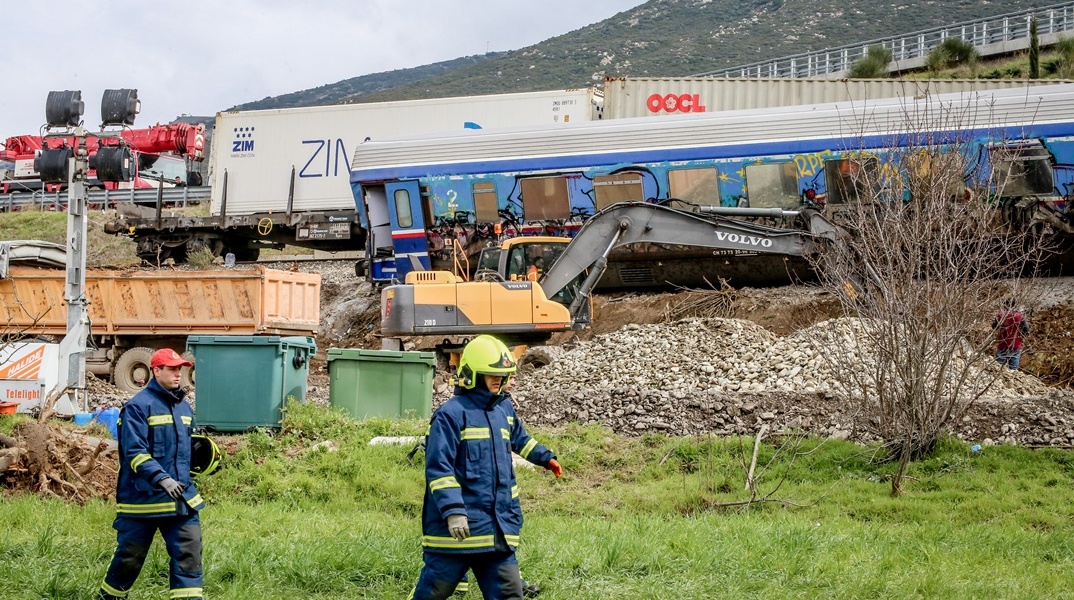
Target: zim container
(242,381)
(381,383)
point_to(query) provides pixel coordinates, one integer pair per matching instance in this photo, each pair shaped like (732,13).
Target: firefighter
(154,490)
(471,516)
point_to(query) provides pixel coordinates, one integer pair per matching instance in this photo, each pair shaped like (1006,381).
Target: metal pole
(160,200)
(73,346)
(223,202)
(291,196)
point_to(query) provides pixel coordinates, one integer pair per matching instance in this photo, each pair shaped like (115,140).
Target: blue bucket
(83,419)
(109,418)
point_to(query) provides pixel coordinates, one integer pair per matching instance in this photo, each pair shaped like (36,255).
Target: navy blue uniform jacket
(468,471)
(154,443)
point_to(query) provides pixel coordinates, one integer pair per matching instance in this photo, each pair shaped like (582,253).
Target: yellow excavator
(502,301)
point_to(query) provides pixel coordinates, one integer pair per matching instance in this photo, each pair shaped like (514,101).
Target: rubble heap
(727,376)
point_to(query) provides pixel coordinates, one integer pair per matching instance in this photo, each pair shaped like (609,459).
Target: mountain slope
(660,38)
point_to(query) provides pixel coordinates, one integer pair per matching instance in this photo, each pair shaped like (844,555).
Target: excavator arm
(638,222)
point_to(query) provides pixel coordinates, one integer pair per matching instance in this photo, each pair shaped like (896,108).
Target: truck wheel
(131,371)
(186,374)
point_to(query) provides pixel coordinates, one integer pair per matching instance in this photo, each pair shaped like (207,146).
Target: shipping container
(626,97)
(297,159)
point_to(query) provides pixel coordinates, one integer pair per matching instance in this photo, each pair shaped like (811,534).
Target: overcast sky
(198,57)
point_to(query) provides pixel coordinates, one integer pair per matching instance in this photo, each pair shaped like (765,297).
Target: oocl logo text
(684,103)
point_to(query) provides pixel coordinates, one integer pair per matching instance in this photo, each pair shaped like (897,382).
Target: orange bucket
(8,408)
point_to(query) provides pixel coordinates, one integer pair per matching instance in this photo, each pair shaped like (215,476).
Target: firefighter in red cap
(154,491)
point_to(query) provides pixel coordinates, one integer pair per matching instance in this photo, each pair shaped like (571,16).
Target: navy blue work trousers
(496,573)
(182,538)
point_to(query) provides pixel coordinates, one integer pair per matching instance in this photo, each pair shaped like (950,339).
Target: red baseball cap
(166,357)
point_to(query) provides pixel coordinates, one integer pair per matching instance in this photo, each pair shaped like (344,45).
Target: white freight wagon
(297,159)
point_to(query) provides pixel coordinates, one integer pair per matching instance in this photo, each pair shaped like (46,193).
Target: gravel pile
(727,376)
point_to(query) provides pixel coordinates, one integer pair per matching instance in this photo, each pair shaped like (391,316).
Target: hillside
(660,38)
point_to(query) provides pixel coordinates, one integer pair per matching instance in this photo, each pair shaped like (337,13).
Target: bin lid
(237,340)
(381,355)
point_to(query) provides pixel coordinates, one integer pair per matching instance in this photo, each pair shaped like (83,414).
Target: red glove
(555,468)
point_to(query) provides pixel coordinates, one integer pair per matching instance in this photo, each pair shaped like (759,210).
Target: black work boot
(530,590)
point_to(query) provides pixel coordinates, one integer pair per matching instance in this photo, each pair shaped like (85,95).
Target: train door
(407,220)
(379,248)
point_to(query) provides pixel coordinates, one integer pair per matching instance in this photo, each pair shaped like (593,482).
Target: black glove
(173,487)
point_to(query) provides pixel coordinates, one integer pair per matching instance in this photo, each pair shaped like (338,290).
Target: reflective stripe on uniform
(514,491)
(477,541)
(111,591)
(187,420)
(160,420)
(186,593)
(443,483)
(528,448)
(510,420)
(506,434)
(146,509)
(139,459)
(512,540)
(475,433)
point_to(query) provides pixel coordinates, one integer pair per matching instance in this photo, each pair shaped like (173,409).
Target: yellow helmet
(204,455)
(485,355)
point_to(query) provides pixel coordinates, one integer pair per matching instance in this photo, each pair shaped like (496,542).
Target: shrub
(874,64)
(201,258)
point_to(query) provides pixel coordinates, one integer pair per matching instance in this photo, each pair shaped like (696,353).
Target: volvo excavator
(522,312)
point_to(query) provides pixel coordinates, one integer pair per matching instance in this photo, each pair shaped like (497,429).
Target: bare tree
(932,250)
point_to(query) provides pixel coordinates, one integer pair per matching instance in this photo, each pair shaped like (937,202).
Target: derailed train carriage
(434,202)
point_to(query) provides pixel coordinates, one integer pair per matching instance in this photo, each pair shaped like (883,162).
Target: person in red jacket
(1011,328)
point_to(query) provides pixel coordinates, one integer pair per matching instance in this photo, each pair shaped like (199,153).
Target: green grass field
(631,518)
(104,250)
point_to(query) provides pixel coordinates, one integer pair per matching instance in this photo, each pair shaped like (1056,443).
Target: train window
(621,187)
(486,206)
(545,199)
(772,185)
(852,179)
(932,171)
(402,209)
(1021,171)
(699,186)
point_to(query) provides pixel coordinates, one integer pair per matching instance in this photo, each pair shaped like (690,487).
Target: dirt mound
(1049,351)
(54,460)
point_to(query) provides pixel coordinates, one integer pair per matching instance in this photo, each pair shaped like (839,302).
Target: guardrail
(991,36)
(176,196)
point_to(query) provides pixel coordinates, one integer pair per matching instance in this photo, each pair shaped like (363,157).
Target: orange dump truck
(133,313)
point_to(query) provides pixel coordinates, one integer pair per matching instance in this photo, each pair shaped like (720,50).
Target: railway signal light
(113,163)
(64,109)
(52,163)
(119,107)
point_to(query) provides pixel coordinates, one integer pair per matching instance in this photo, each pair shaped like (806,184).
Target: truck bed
(244,301)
